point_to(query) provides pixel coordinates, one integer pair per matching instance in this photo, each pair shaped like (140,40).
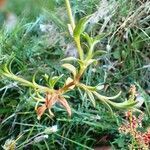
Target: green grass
(125,64)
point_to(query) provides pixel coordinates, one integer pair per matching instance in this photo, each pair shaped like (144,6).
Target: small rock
(11,21)
(71,51)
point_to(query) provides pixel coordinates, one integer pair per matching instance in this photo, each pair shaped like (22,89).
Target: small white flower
(97,117)
(93,69)
(108,47)
(99,87)
(52,129)
(140,100)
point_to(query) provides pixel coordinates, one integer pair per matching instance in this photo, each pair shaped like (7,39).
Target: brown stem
(66,87)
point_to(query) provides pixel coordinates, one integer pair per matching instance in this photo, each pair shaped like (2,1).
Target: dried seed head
(9,145)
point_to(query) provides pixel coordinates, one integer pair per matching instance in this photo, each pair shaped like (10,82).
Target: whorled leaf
(52,80)
(50,100)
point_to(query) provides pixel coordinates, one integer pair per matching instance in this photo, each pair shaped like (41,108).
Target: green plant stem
(27,83)
(74,82)
(66,87)
(79,48)
(72,22)
(81,71)
(89,56)
(70,14)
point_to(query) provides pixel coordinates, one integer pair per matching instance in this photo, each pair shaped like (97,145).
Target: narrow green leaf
(71,68)
(90,61)
(100,36)
(54,80)
(99,52)
(105,97)
(108,106)
(34,78)
(91,96)
(123,105)
(80,27)
(69,59)
(88,38)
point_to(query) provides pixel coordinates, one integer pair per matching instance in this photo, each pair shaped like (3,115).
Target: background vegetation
(39,41)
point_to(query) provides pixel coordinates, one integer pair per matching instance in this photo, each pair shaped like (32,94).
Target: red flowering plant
(132,126)
(47,96)
(140,140)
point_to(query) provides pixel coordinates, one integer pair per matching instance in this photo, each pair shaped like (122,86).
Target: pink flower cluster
(146,137)
(141,140)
